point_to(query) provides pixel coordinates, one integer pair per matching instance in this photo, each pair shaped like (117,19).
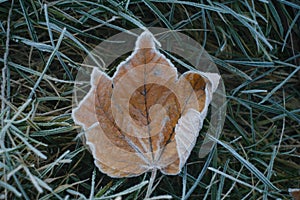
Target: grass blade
(247,164)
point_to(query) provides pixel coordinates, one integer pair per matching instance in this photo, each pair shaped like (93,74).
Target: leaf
(145,117)
(295,193)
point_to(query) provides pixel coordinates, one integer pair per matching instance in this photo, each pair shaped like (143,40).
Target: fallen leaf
(295,193)
(145,117)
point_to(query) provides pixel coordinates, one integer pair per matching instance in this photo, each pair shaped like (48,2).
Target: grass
(255,45)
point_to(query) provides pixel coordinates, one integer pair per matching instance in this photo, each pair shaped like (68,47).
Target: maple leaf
(145,117)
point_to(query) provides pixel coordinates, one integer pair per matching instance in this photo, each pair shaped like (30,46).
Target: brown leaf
(295,193)
(144,117)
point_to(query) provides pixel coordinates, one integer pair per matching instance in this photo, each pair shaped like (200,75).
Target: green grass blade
(10,188)
(279,85)
(155,10)
(127,191)
(247,164)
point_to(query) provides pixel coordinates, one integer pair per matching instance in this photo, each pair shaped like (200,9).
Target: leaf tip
(146,41)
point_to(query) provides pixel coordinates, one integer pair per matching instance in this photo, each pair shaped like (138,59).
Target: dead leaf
(295,193)
(145,117)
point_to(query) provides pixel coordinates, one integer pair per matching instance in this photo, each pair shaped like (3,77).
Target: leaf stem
(150,185)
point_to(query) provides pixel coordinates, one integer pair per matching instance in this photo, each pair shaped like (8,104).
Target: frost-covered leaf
(146,116)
